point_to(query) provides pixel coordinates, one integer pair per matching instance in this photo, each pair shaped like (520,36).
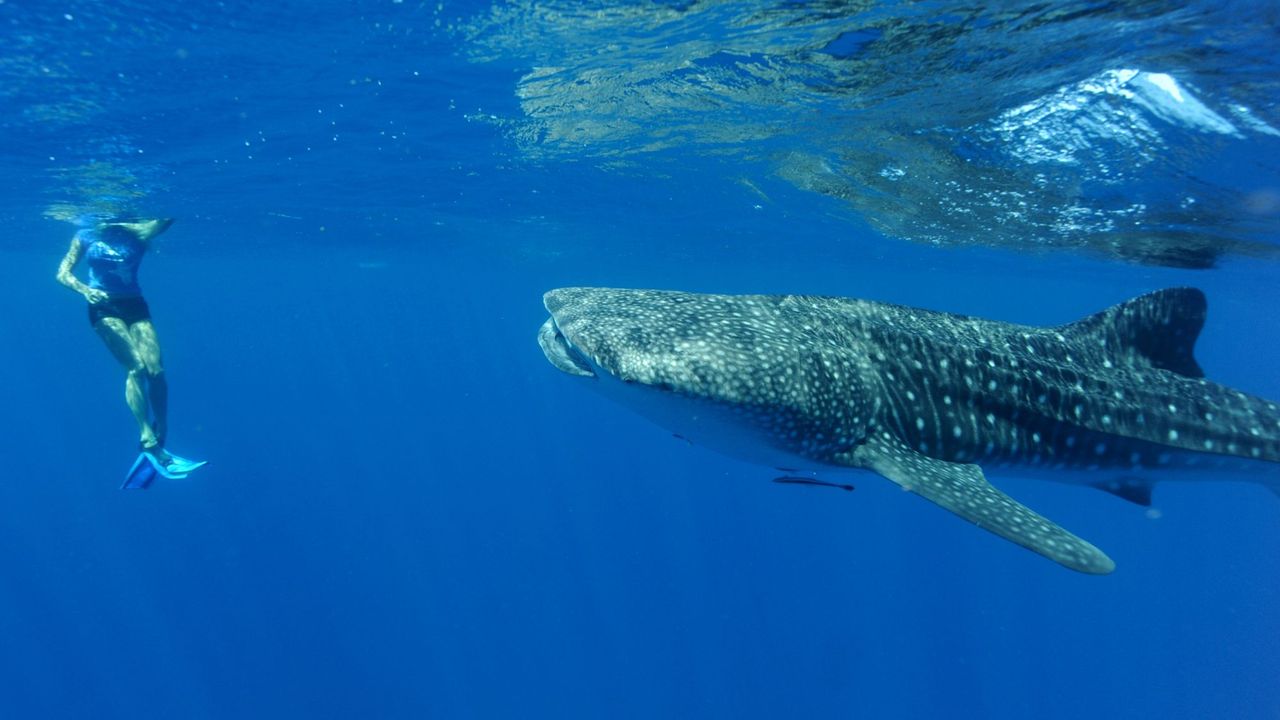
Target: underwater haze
(408,512)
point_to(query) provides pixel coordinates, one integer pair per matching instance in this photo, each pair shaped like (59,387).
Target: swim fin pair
(148,467)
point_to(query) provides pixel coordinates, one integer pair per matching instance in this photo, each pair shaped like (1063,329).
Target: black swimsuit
(129,309)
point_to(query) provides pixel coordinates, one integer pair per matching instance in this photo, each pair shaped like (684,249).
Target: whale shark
(934,402)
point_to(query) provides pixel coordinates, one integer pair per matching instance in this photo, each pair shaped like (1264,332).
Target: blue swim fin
(179,464)
(148,467)
(140,475)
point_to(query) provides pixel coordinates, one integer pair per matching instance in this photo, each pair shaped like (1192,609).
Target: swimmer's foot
(156,449)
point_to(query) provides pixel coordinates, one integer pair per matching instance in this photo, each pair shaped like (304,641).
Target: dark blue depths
(409,513)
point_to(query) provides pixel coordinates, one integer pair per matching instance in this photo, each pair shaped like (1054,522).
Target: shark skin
(927,399)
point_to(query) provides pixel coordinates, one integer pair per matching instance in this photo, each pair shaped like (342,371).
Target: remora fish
(926,399)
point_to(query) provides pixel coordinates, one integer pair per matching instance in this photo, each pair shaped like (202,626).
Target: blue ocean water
(409,513)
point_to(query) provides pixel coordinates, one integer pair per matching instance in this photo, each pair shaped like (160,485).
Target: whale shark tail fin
(1159,329)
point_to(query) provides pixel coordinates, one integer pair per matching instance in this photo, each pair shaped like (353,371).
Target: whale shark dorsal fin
(1160,328)
(964,490)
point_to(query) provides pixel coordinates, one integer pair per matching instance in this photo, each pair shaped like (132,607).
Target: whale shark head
(675,342)
(730,372)
(613,334)
(568,355)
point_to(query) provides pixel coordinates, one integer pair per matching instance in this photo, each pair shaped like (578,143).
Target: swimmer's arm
(149,230)
(67,278)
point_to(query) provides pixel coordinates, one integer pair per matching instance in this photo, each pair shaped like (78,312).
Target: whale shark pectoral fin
(964,490)
(1135,490)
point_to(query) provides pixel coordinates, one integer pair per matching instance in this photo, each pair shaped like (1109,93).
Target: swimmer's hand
(94,295)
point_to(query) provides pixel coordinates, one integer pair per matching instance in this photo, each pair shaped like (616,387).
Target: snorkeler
(119,314)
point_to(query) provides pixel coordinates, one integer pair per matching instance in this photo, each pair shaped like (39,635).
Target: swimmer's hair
(110,231)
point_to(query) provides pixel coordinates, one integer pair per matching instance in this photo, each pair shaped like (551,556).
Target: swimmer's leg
(116,335)
(147,346)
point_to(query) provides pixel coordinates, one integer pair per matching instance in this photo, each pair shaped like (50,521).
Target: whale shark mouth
(561,353)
